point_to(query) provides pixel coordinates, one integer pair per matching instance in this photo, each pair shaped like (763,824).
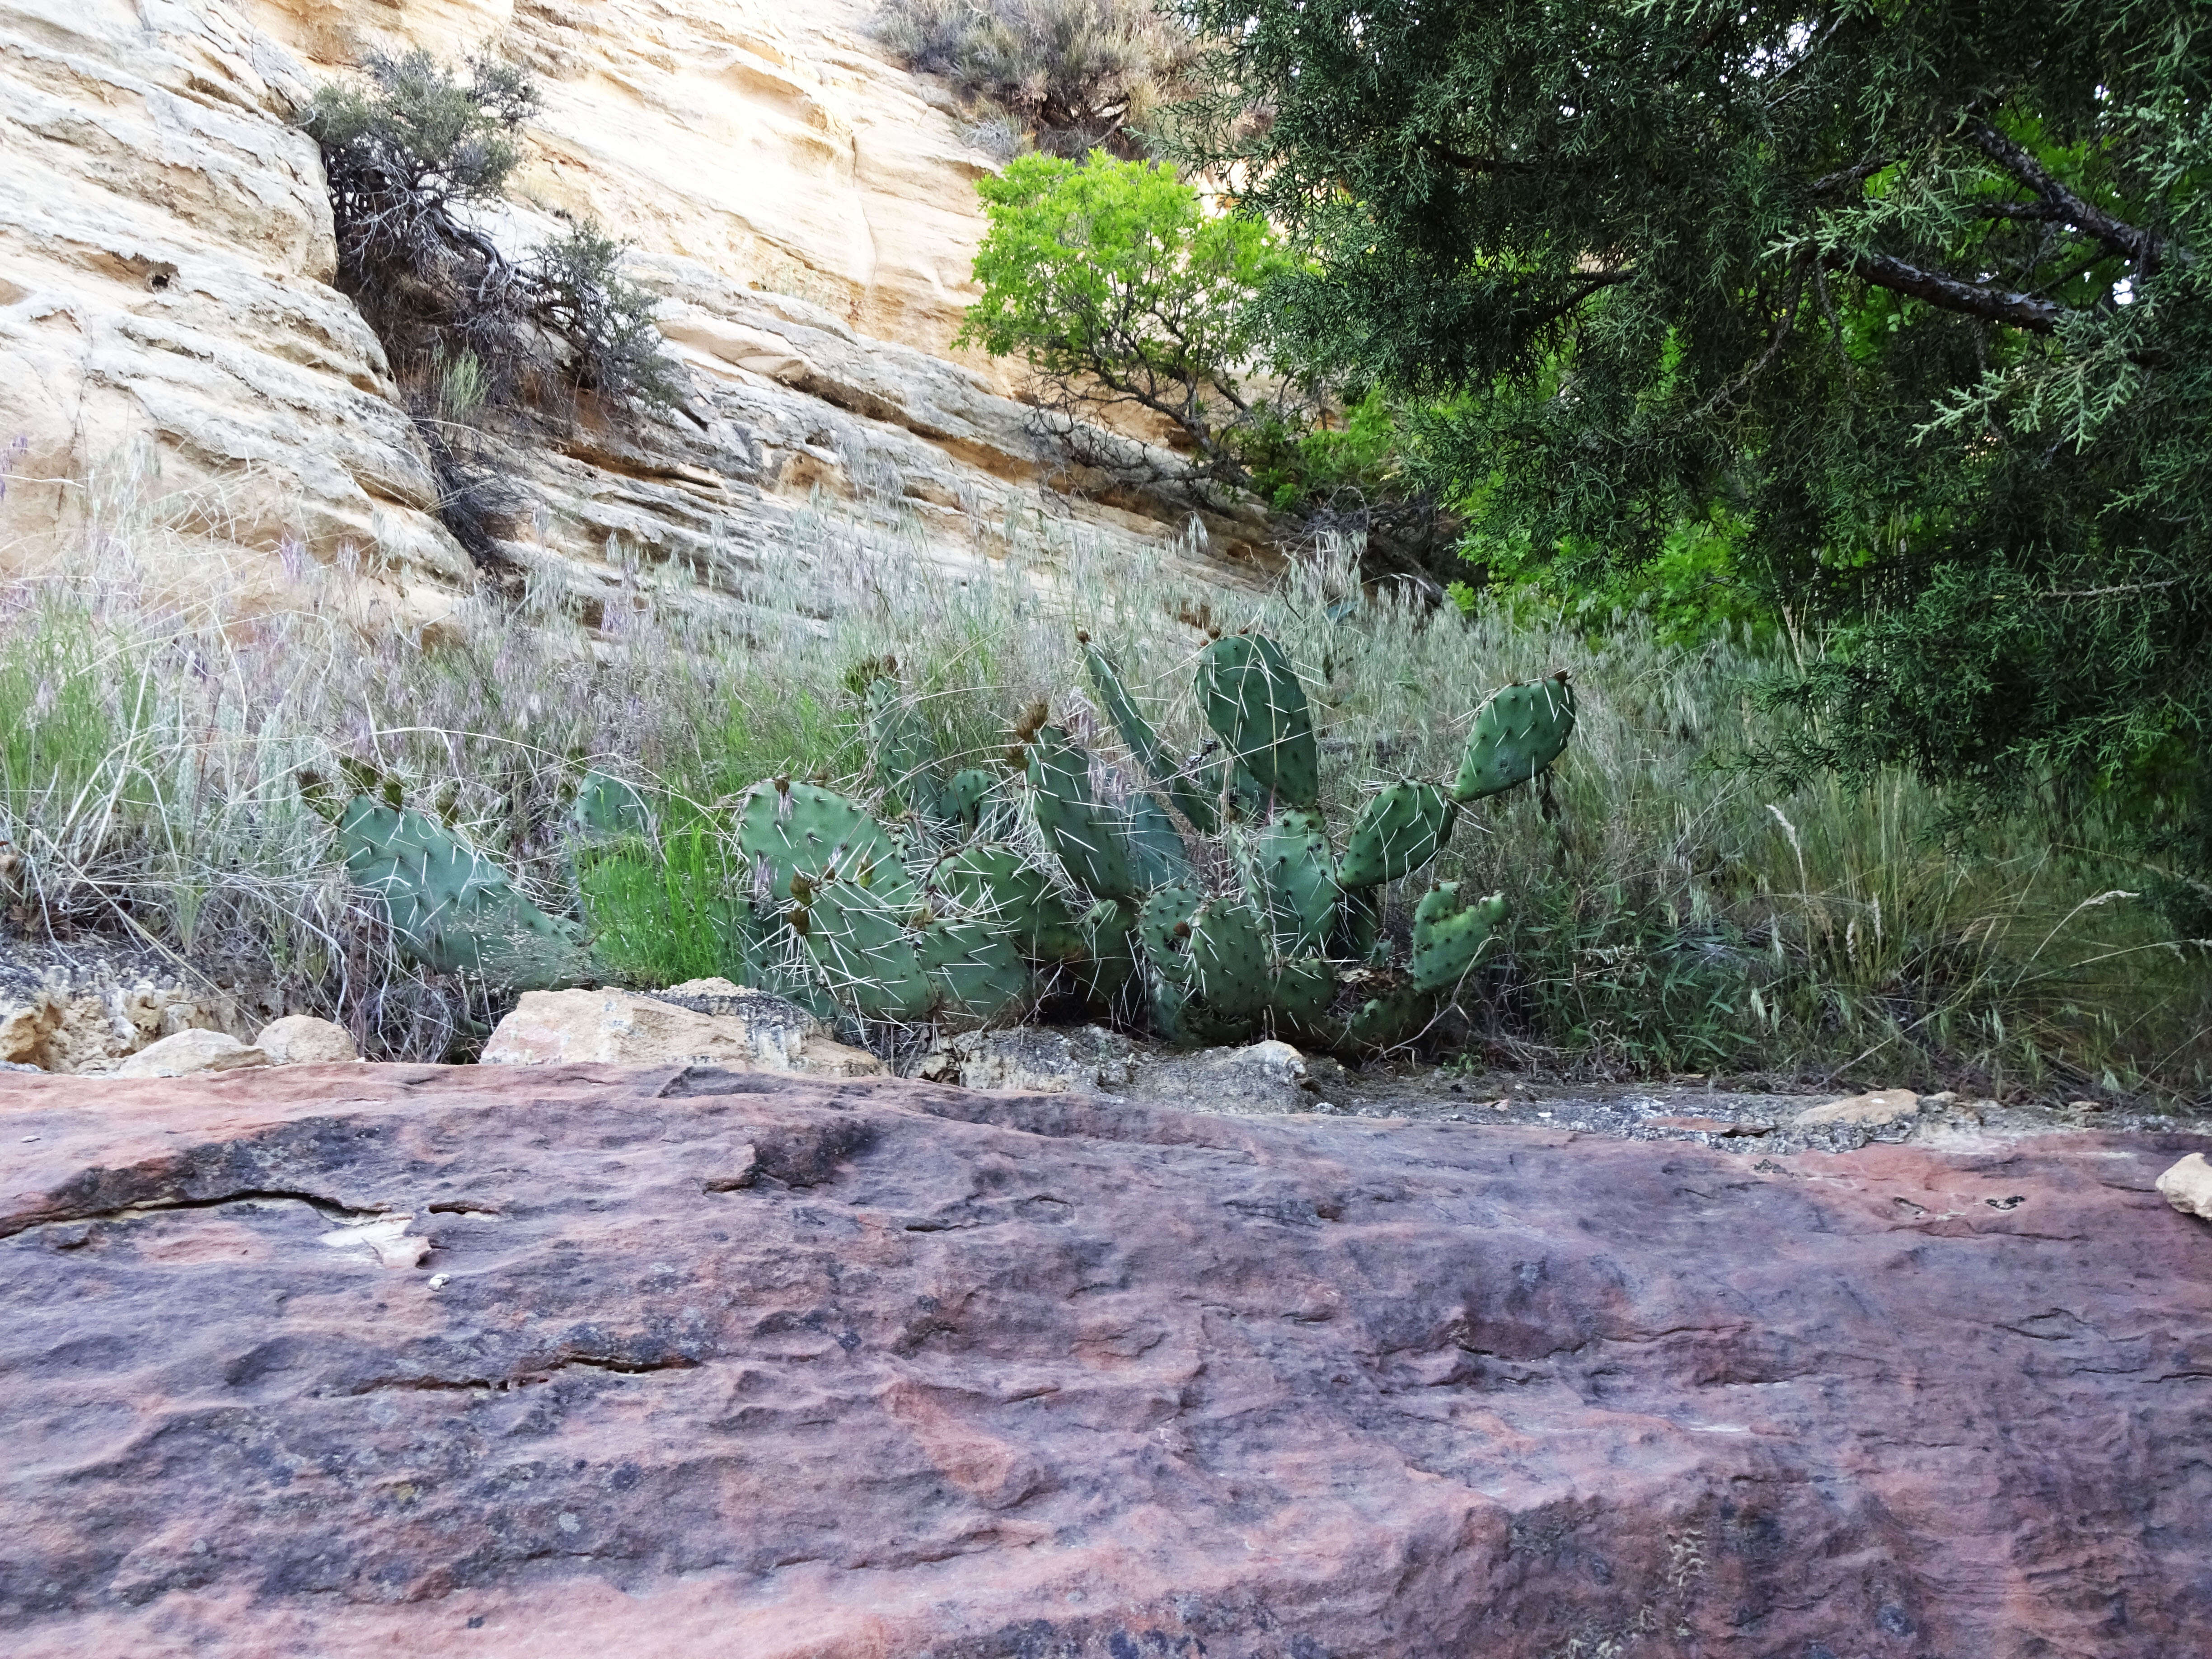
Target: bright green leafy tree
(1915,295)
(1124,293)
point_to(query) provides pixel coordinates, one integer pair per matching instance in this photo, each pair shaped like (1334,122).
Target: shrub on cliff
(413,154)
(1079,75)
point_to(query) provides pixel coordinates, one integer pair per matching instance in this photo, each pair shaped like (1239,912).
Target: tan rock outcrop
(2188,1186)
(66,1026)
(1874,1110)
(626,1028)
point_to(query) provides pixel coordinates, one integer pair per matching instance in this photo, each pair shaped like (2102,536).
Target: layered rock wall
(173,358)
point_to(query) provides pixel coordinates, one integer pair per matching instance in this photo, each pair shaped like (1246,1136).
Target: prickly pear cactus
(1082,834)
(1288,866)
(1192,797)
(452,909)
(904,762)
(1163,927)
(1304,988)
(991,883)
(608,810)
(960,802)
(1394,1013)
(1450,927)
(1398,831)
(1518,732)
(787,829)
(1252,698)
(1230,958)
(862,949)
(975,969)
(1156,847)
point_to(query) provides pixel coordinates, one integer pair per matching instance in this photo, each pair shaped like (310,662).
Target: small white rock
(2188,1186)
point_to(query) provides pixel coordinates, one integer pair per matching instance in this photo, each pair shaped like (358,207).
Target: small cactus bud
(1081,637)
(783,784)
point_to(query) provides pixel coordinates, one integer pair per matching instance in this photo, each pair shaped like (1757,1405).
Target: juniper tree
(1917,287)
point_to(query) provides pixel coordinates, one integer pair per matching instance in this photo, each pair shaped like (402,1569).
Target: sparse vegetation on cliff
(414,154)
(1072,75)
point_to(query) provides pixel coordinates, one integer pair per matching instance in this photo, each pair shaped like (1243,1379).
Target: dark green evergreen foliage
(408,150)
(1917,294)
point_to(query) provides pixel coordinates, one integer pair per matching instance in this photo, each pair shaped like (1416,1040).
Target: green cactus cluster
(1211,904)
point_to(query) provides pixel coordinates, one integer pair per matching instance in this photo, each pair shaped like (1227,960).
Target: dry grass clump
(1074,75)
(1668,916)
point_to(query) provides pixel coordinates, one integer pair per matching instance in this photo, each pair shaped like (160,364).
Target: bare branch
(2138,247)
(1954,293)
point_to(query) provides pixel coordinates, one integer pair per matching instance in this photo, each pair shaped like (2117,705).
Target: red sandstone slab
(709,1364)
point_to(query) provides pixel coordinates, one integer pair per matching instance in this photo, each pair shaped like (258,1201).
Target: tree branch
(1466,163)
(2139,248)
(1952,293)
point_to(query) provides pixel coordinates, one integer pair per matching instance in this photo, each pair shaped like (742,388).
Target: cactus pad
(1288,864)
(608,810)
(1081,833)
(991,883)
(1229,965)
(1398,831)
(1517,733)
(1191,797)
(788,829)
(1155,845)
(452,909)
(864,952)
(1168,909)
(1252,698)
(902,757)
(1391,1016)
(977,972)
(1450,927)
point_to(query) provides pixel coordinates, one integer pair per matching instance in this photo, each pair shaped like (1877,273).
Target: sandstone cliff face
(169,337)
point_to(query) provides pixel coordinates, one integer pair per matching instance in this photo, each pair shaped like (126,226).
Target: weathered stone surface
(696,1363)
(1266,1078)
(1876,1109)
(1034,1059)
(628,1027)
(1710,1126)
(188,1052)
(2188,1186)
(88,1020)
(303,1040)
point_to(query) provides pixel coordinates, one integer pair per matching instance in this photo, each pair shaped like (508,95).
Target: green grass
(1668,915)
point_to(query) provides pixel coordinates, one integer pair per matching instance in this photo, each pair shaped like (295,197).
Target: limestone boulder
(190,1052)
(303,1040)
(504,1360)
(2188,1186)
(756,1032)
